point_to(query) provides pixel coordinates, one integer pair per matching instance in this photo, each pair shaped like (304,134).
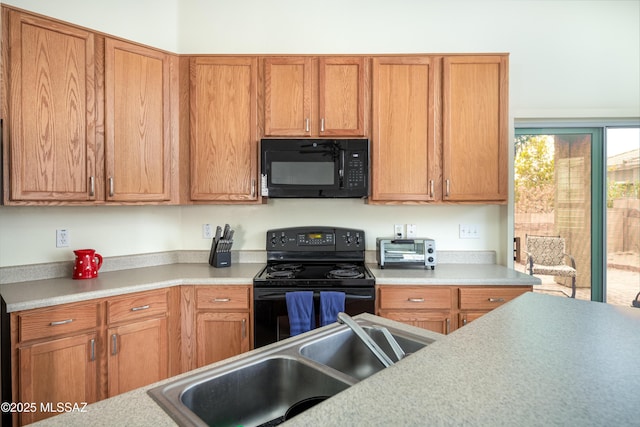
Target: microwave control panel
(356,170)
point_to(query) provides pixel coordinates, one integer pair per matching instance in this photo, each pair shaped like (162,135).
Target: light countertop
(537,360)
(453,274)
(43,293)
(49,292)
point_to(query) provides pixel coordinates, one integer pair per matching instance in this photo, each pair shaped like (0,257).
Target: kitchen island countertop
(49,292)
(538,360)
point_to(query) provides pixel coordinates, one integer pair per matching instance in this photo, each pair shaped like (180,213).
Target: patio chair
(546,256)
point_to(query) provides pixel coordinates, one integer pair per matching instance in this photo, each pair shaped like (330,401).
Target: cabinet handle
(464,321)
(496,299)
(431,188)
(448,326)
(244,328)
(142,307)
(221,299)
(110,186)
(415,299)
(61,322)
(307,124)
(92,186)
(114,344)
(93,350)
(322,125)
(447,188)
(253,187)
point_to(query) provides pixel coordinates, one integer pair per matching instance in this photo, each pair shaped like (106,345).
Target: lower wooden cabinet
(138,355)
(477,301)
(83,352)
(442,309)
(434,321)
(220,335)
(137,340)
(222,322)
(427,307)
(54,371)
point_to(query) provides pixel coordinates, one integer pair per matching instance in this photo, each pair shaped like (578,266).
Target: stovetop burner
(281,274)
(345,273)
(286,267)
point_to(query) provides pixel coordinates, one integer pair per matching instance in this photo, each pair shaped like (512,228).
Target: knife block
(220,259)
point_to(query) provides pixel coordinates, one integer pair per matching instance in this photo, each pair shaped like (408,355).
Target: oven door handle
(279,296)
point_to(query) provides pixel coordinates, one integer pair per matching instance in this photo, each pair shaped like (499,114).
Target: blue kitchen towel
(300,311)
(331,303)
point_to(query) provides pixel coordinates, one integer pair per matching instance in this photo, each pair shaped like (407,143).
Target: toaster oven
(406,252)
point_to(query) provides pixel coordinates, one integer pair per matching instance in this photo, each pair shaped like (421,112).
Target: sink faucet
(345,319)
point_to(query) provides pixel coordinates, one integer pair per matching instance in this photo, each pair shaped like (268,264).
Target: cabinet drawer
(223,297)
(61,320)
(488,298)
(419,297)
(137,306)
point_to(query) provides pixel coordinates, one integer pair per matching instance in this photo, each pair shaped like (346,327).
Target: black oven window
(302,173)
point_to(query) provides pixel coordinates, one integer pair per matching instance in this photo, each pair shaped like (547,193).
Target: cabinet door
(287,96)
(403,139)
(137,120)
(220,335)
(223,129)
(61,370)
(137,355)
(52,111)
(466,317)
(341,96)
(475,128)
(434,321)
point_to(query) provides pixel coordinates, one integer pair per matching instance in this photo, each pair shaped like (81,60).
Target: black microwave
(315,168)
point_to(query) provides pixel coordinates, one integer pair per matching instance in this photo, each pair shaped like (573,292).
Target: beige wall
(568,59)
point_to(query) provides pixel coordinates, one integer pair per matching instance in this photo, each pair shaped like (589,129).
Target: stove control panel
(315,239)
(298,239)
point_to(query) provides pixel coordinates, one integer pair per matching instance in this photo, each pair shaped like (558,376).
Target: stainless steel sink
(345,352)
(262,386)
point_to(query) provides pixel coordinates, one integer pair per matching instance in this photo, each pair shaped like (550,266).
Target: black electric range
(309,258)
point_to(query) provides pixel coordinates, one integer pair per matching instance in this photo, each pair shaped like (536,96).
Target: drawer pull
(496,299)
(221,299)
(61,322)
(415,299)
(142,307)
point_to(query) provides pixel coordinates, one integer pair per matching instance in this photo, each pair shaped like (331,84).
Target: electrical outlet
(398,231)
(412,231)
(469,231)
(62,238)
(207,231)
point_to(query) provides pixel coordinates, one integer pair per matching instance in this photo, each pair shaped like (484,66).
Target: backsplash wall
(28,233)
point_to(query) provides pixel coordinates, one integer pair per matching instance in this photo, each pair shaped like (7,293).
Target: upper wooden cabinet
(89,117)
(309,96)
(475,130)
(52,150)
(223,113)
(439,129)
(403,150)
(137,120)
